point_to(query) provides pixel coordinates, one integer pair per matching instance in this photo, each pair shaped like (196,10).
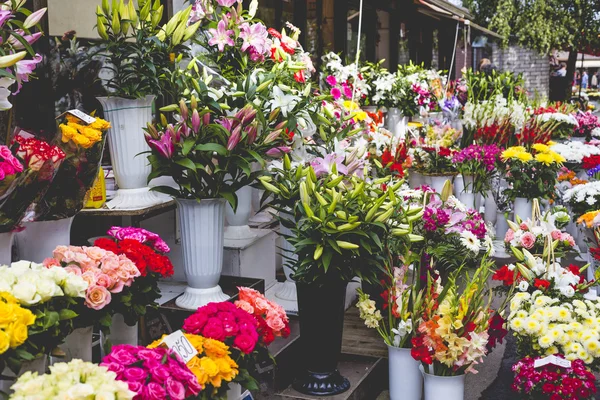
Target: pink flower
(214,329)
(336,93)
(528,240)
(275,322)
(97,297)
(160,373)
(244,305)
(135,374)
(556,235)
(104,280)
(122,354)
(51,262)
(24,68)
(154,391)
(73,270)
(175,389)
(95,253)
(221,36)
(245,343)
(89,277)
(255,36)
(524,226)
(331,80)
(510,235)
(226,3)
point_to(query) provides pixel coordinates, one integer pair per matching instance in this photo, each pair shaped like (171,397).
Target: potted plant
(138,53)
(339,230)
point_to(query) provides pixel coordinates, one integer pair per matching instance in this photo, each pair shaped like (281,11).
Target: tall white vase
(523,208)
(444,387)
(437,182)
(416,179)
(237,221)
(490,208)
(202,234)
(406,381)
(78,345)
(39,239)
(121,333)
(396,122)
(126,141)
(287,291)
(466,195)
(501,225)
(36,365)
(6,242)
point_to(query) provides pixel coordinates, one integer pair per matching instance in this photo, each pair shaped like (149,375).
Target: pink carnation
(510,235)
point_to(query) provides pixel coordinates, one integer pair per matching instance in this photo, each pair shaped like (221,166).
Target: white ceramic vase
(78,345)
(6,242)
(202,234)
(443,387)
(437,182)
(466,195)
(523,208)
(287,291)
(39,238)
(121,333)
(237,221)
(126,141)
(396,122)
(415,179)
(406,381)
(234,392)
(501,225)
(37,365)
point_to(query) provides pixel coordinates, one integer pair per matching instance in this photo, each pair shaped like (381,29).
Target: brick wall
(534,67)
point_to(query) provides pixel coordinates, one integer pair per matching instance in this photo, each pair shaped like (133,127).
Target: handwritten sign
(561,362)
(178,343)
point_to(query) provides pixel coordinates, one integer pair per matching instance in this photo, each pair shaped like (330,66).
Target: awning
(440,8)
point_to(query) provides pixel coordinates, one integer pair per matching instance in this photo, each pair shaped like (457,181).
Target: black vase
(321,309)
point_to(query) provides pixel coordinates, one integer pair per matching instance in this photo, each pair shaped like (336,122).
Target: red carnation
(541,284)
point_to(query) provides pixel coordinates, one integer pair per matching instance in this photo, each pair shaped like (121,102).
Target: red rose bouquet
(152,373)
(553,382)
(271,317)
(146,250)
(39,162)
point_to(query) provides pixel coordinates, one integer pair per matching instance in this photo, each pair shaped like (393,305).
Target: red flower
(386,157)
(397,167)
(299,77)
(541,284)
(506,276)
(274,32)
(496,331)
(548,388)
(444,151)
(590,162)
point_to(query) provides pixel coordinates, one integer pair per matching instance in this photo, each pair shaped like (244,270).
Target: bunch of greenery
(486,86)
(138,51)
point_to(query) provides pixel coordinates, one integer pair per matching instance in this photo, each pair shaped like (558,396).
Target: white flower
(75,286)
(523,286)
(285,102)
(404,328)
(567,291)
(26,293)
(470,241)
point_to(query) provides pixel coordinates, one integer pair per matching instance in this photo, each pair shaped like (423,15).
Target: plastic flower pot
(321,324)
(406,381)
(39,238)
(202,233)
(443,387)
(6,242)
(523,208)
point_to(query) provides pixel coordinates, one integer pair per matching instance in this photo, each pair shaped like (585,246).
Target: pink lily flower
(164,146)
(24,68)
(221,36)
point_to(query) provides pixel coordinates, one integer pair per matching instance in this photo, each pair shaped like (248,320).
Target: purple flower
(164,146)
(323,166)
(255,36)
(5,15)
(226,3)
(195,121)
(24,68)
(221,36)
(235,137)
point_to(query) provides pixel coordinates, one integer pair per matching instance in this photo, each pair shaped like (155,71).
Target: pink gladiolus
(277,152)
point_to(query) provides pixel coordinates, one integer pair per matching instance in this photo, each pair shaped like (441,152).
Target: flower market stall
(431,220)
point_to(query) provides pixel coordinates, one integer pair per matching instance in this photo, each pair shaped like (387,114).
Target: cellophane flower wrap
(272,319)
(147,251)
(152,373)
(40,162)
(452,334)
(51,295)
(83,145)
(590,221)
(531,174)
(106,273)
(553,382)
(213,366)
(74,380)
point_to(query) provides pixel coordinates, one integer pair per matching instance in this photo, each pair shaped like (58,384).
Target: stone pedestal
(253,257)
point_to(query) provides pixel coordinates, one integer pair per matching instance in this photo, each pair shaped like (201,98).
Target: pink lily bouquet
(15,65)
(106,273)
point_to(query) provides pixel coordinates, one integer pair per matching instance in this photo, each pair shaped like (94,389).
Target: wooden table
(135,216)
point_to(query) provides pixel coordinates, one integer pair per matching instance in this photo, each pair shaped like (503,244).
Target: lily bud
(252,131)
(184,130)
(183,110)
(274,114)
(194,102)
(116,23)
(11,59)
(34,18)
(206,118)
(132,13)
(235,137)
(157,16)
(151,130)
(105,7)
(163,120)
(195,121)
(278,151)
(101,29)
(272,136)
(191,31)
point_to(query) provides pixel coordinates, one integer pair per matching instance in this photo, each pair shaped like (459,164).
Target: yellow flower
(550,143)
(93,134)
(215,348)
(25,317)
(82,141)
(588,218)
(4,342)
(519,149)
(351,105)
(360,116)
(100,124)
(542,148)
(557,157)
(18,334)
(208,366)
(545,159)
(509,153)
(524,156)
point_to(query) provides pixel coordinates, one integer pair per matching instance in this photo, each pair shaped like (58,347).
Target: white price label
(82,116)
(561,362)
(177,342)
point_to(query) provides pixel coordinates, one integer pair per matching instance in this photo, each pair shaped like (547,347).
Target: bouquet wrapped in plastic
(83,144)
(34,171)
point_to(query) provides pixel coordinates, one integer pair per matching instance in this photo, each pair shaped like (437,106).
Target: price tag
(561,362)
(177,342)
(88,119)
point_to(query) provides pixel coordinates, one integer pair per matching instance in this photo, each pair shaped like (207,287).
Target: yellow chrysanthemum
(588,218)
(544,158)
(524,156)
(541,148)
(519,149)
(509,153)
(557,157)
(550,143)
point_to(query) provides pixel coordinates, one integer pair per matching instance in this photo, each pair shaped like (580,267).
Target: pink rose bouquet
(227,323)
(105,272)
(553,382)
(271,317)
(532,236)
(152,373)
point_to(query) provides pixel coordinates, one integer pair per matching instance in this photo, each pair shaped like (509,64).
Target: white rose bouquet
(51,294)
(77,380)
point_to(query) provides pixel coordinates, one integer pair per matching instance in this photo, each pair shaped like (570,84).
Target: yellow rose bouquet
(14,329)
(213,366)
(83,144)
(531,174)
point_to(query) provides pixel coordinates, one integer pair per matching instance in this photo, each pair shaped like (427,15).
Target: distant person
(562,70)
(577,79)
(594,82)
(584,80)
(486,66)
